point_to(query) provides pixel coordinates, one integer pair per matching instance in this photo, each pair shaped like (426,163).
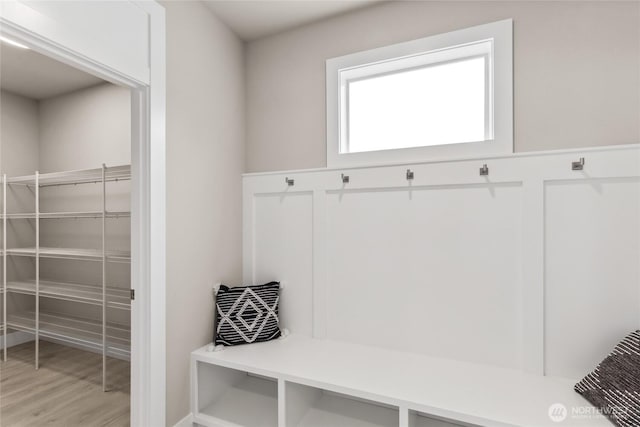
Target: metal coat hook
(484,170)
(345,179)
(409,174)
(578,166)
(289,181)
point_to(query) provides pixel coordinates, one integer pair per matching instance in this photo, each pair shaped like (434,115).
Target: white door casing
(122,42)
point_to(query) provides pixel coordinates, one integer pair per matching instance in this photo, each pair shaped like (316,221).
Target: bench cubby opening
(229,396)
(418,391)
(314,407)
(419,419)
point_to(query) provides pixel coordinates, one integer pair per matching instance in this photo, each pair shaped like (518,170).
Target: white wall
(576,73)
(205,159)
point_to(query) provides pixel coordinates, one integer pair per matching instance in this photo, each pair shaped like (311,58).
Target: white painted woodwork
(122,42)
(299,399)
(534,267)
(312,407)
(417,270)
(501,93)
(115,34)
(381,381)
(420,420)
(592,263)
(229,397)
(288,220)
(492,294)
(16,338)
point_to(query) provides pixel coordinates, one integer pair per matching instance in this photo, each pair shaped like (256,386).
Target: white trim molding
(16,338)
(124,43)
(439,48)
(186,421)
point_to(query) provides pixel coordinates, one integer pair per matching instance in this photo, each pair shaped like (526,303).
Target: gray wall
(576,73)
(85,128)
(19,156)
(205,158)
(81,130)
(18,134)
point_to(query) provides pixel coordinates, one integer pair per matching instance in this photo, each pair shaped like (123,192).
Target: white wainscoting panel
(432,270)
(535,266)
(592,292)
(283,252)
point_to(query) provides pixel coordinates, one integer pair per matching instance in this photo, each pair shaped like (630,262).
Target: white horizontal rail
(514,156)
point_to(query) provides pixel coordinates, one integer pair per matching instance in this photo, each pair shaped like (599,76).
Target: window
(443,96)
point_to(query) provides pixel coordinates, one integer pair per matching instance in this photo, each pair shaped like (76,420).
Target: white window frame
(500,82)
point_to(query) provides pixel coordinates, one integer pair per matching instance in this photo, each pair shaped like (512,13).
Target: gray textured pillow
(614,386)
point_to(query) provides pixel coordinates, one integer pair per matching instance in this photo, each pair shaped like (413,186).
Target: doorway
(65,154)
(50,28)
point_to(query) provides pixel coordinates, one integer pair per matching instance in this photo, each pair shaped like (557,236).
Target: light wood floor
(66,391)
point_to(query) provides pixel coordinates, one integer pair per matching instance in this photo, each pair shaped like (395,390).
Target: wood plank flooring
(65,392)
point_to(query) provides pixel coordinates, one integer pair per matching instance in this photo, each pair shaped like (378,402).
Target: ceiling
(33,75)
(253,19)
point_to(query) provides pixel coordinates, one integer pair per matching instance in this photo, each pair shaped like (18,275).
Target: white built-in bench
(300,381)
(532,268)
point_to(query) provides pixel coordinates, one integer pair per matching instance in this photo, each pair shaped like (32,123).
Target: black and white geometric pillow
(247,314)
(614,386)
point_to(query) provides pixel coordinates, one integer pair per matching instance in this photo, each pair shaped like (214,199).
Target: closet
(65,215)
(108,337)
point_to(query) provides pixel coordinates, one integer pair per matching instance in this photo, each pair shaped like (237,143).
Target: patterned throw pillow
(247,314)
(614,386)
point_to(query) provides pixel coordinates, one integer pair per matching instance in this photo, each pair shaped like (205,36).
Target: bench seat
(438,391)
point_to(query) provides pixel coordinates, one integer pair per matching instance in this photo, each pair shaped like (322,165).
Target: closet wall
(78,130)
(86,128)
(19,146)
(82,130)
(18,134)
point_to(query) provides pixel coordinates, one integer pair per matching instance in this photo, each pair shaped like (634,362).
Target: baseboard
(185,422)
(19,337)
(80,347)
(16,338)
